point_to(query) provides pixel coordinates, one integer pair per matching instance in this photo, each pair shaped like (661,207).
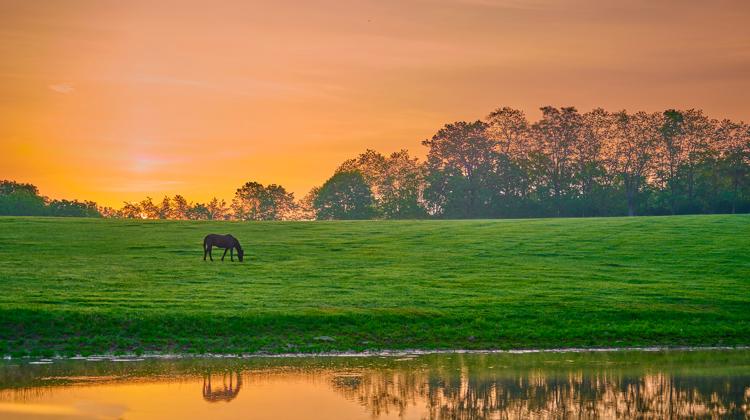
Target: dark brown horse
(228,242)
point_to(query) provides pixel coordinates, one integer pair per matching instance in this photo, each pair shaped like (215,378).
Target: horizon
(115,102)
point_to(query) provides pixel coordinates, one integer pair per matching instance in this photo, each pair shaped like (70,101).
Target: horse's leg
(205,251)
(210,248)
(231,254)
(225,254)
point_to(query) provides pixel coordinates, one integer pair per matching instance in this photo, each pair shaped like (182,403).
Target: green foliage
(345,196)
(18,199)
(100,285)
(254,201)
(21,203)
(72,208)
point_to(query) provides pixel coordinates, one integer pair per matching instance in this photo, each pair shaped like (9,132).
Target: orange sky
(116,100)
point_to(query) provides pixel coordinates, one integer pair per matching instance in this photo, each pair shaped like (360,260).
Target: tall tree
(254,201)
(671,152)
(131,211)
(9,187)
(346,195)
(555,136)
(148,210)
(198,211)
(165,208)
(18,199)
(587,155)
(217,209)
(697,132)
(396,182)
(401,187)
(734,148)
(510,130)
(629,151)
(180,208)
(460,170)
(72,208)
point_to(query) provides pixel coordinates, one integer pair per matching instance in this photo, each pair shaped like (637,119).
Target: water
(676,384)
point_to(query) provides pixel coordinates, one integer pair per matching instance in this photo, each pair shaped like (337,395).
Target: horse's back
(222,241)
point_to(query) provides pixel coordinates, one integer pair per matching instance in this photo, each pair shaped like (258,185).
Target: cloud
(64,88)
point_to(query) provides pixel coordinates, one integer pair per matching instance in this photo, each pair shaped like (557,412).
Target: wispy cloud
(64,88)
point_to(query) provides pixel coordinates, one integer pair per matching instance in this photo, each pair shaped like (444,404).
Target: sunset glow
(114,101)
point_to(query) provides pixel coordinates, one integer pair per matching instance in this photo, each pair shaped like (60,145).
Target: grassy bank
(79,286)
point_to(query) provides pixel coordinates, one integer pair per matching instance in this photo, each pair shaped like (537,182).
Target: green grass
(81,286)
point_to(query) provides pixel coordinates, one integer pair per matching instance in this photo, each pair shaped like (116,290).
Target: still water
(626,384)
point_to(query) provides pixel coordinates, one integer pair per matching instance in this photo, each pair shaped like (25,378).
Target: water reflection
(606,385)
(462,396)
(228,389)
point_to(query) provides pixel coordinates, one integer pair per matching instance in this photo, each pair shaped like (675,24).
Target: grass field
(81,286)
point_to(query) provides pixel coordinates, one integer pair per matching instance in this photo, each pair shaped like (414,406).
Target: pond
(655,384)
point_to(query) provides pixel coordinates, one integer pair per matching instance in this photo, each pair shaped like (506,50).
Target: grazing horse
(228,242)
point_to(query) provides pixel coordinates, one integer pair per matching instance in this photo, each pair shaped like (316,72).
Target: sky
(114,101)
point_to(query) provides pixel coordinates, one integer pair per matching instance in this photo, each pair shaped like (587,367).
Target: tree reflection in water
(461,395)
(671,384)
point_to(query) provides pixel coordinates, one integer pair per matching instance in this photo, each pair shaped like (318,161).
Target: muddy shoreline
(373,353)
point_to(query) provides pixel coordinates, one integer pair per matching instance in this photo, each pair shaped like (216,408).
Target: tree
(697,132)
(396,182)
(131,211)
(555,137)
(629,151)
(401,187)
(670,154)
(148,210)
(217,210)
(510,130)
(109,212)
(180,208)
(734,148)
(344,196)
(165,208)
(18,199)
(8,187)
(587,156)
(306,206)
(253,201)
(198,211)
(72,208)
(460,170)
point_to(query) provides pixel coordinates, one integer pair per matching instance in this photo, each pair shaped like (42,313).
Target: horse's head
(240,253)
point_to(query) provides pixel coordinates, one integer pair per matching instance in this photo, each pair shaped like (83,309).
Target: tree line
(20,199)
(565,164)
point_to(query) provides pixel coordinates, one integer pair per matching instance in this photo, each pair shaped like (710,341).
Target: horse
(228,242)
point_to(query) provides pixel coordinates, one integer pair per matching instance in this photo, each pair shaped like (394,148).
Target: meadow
(82,286)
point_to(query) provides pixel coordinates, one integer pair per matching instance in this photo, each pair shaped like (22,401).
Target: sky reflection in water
(683,384)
